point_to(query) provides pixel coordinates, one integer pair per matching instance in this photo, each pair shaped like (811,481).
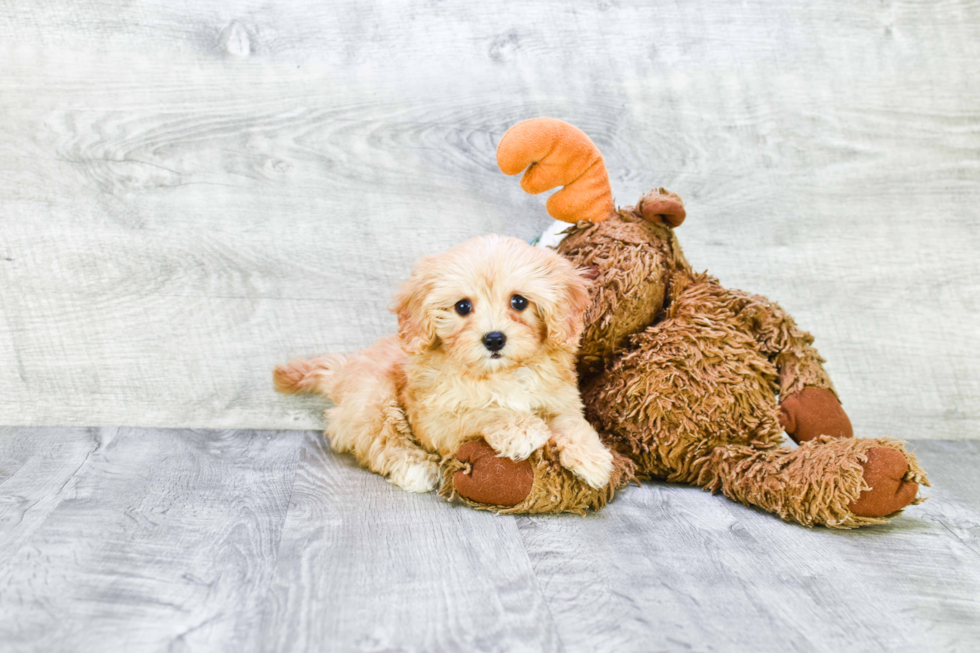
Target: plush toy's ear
(553,153)
(662,206)
(416,331)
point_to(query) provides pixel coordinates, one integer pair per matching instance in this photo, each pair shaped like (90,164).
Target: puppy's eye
(463,307)
(518,303)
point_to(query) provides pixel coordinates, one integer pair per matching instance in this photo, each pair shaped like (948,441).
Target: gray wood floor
(134,539)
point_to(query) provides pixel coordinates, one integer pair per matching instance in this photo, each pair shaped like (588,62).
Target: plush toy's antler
(555,153)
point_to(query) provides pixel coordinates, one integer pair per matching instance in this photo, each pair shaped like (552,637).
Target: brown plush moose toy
(685,380)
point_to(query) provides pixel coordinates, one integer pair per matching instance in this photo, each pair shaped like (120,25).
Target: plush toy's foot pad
(491,479)
(884,472)
(813,412)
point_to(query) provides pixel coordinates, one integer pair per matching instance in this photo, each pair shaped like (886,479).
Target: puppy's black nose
(494,341)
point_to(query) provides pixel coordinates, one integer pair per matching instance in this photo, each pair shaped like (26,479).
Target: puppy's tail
(313,375)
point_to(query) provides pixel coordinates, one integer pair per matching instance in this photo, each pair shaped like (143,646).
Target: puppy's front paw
(520,439)
(520,449)
(416,476)
(592,463)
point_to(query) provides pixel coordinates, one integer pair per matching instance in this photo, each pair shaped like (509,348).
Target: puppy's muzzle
(494,341)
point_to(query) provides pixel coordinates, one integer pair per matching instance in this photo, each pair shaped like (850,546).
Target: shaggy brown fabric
(681,377)
(631,260)
(691,382)
(812,412)
(814,484)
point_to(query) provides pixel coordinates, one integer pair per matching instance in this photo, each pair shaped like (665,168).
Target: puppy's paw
(520,449)
(416,476)
(519,439)
(592,462)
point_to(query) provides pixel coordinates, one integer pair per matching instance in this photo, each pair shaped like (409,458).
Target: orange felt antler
(556,153)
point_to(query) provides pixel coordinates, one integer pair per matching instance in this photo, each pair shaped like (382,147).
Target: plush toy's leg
(840,483)
(482,479)
(809,407)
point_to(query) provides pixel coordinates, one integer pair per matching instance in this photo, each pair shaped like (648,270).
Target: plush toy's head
(631,252)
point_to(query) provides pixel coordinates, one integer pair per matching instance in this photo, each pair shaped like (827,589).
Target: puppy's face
(492,303)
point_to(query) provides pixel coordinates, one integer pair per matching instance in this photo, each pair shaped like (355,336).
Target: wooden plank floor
(131,539)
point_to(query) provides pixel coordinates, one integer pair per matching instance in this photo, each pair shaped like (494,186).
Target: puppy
(486,344)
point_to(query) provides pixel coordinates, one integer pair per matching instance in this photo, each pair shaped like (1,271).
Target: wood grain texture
(159,540)
(364,565)
(674,568)
(38,469)
(172,540)
(957,495)
(192,192)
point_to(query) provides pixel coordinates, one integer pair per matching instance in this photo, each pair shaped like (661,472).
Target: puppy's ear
(564,320)
(416,330)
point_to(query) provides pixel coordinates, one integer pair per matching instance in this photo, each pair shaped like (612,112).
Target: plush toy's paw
(813,412)
(491,479)
(884,472)
(518,439)
(416,476)
(592,463)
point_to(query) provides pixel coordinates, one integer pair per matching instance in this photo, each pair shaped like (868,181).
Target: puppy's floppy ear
(564,319)
(416,330)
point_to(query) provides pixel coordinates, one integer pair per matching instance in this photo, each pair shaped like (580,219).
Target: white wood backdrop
(192,191)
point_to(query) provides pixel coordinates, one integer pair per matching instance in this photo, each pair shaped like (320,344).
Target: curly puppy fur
(407,401)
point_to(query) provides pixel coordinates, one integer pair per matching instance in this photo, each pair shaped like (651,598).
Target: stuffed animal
(685,380)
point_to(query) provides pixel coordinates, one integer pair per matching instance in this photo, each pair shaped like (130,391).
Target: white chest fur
(445,408)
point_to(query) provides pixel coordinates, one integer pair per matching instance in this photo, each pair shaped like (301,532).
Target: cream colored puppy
(487,336)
